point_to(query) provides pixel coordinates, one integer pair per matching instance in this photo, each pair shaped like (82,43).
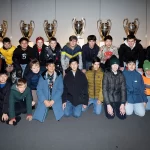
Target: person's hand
(11,121)
(84,70)
(110,110)
(121,68)
(4,117)
(122,109)
(99,102)
(51,103)
(33,103)
(47,104)
(64,105)
(84,106)
(29,118)
(64,73)
(145,104)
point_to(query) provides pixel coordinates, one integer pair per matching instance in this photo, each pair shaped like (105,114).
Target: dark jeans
(116,110)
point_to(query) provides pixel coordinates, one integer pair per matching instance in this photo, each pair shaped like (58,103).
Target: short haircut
(34,62)
(53,39)
(130,60)
(21,82)
(6,40)
(23,39)
(96,59)
(4,72)
(130,36)
(91,37)
(108,37)
(73,37)
(74,59)
(51,61)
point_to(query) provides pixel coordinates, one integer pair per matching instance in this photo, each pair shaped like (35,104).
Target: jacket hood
(126,43)
(44,74)
(14,87)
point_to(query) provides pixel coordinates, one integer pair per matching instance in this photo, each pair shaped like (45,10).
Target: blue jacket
(135,87)
(43,93)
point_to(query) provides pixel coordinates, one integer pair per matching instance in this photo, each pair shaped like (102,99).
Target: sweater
(15,96)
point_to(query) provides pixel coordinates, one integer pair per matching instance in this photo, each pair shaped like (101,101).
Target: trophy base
(1,44)
(46,43)
(101,43)
(80,41)
(31,44)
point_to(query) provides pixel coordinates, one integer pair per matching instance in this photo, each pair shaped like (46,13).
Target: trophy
(3,29)
(50,28)
(104,28)
(131,27)
(78,26)
(27,29)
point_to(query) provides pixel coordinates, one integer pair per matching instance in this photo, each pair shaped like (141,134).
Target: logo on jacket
(24,56)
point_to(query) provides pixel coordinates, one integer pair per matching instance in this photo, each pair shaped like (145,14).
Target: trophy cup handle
(73,21)
(21,23)
(32,26)
(84,22)
(99,22)
(125,25)
(5,24)
(137,22)
(110,25)
(55,25)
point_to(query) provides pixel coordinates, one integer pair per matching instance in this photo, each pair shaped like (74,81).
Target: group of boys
(71,79)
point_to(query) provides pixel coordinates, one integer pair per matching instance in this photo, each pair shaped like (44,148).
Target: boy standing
(20,101)
(75,94)
(49,91)
(136,98)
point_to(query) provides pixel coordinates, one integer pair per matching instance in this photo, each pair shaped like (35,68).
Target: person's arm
(29,101)
(141,56)
(100,53)
(121,54)
(123,90)
(115,52)
(83,58)
(105,84)
(80,59)
(12,105)
(63,55)
(148,53)
(65,91)
(100,92)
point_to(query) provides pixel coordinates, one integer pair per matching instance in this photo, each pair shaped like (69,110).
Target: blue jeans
(138,109)
(148,103)
(71,110)
(23,66)
(97,107)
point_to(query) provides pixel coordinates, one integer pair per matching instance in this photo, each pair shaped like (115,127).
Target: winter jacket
(76,88)
(147,84)
(4,97)
(148,53)
(114,88)
(8,54)
(95,84)
(43,93)
(88,54)
(137,52)
(68,53)
(135,87)
(16,96)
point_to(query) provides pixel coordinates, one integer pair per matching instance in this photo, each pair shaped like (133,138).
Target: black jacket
(75,88)
(148,53)
(114,87)
(125,52)
(88,54)
(4,97)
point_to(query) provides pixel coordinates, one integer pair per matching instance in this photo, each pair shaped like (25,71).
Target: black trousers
(20,108)
(116,110)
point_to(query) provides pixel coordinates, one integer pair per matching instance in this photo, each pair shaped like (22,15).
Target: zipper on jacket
(94,82)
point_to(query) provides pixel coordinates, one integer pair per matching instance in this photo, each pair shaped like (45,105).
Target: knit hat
(146,65)
(114,60)
(39,38)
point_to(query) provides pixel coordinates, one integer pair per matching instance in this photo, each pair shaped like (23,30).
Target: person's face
(35,68)
(114,67)
(24,44)
(7,45)
(73,43)
(131,42)
(21,88)
(91,43)
(131,66)
(96,65)
(147,72)
(9,68)
(53,44)
(3,78)
(39,43)
(74,66)
(51,68)
(108,43)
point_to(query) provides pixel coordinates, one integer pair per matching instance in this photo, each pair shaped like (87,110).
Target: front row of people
(121,93)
